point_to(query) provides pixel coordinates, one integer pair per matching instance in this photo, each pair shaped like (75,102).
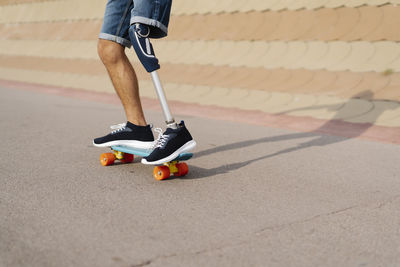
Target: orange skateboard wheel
(128,158)
(183,169)
(161,173)
(107,159)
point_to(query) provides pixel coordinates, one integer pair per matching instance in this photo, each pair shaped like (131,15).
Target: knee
(110,52)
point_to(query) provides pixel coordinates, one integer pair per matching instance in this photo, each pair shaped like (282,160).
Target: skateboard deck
(127,154)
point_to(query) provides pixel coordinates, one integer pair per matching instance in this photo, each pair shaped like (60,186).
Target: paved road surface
(255,196)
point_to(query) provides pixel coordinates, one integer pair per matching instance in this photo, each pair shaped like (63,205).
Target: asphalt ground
(254,196)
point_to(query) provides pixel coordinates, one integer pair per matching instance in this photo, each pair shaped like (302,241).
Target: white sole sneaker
(129,143)
(185,148)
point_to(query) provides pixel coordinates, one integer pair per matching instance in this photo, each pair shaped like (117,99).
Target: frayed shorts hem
(114,38)
(151,22)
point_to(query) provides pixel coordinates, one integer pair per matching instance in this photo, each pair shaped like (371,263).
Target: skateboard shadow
(322,138)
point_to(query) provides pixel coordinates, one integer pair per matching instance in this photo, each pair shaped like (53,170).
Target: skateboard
(127,154)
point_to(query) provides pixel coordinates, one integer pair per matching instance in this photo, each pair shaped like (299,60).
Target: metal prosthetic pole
(139,35)
(163,101)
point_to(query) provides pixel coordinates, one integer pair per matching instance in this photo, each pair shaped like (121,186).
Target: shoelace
(161,139)
(117,127)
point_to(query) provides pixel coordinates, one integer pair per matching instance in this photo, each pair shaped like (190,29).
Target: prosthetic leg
(138,34)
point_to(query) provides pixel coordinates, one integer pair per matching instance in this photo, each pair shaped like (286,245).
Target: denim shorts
(120,14)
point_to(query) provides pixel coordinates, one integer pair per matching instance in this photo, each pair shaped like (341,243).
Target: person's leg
(123,78)
(113,39)
(149,19)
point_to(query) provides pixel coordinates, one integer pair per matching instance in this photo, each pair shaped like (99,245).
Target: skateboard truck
(139,35)
(126,154)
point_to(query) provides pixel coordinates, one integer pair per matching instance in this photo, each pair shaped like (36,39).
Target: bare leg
(124,79)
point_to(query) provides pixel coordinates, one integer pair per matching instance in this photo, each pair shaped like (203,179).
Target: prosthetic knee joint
(139,35)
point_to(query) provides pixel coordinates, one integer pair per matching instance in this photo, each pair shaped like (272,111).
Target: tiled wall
(335,48)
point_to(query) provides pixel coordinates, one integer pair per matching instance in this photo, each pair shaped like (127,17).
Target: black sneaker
(127,134)
(170,144)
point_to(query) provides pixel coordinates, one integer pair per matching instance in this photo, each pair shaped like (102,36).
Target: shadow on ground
(320,139)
